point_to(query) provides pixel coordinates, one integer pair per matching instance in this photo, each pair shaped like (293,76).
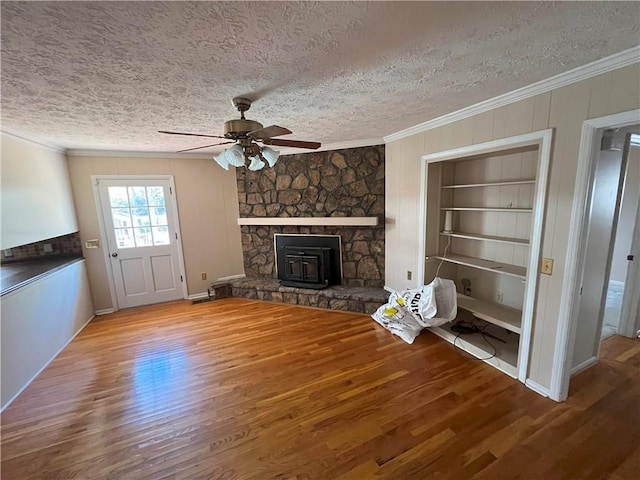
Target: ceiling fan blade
(190,134)
(204,146)
(291,143)
(269,132)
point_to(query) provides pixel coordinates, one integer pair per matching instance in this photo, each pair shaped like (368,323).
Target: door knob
(114,255)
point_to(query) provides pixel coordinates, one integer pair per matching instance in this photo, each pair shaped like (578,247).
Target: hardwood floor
(242,389)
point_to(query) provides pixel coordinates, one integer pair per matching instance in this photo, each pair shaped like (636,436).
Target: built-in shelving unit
(487,200)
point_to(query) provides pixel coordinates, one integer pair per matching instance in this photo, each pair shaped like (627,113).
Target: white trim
(40,143)
(198,296)
(208,155)
(536,387)
(604,65)
(231,277)
(388,289)
(45,365)
(567,317)
(584,365)
(323,221)
(105,311)
(542,138)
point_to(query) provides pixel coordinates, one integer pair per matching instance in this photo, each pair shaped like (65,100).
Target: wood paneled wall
(563,109)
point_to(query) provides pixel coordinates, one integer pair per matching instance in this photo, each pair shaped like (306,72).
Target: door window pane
(140,217)
(158,216)
(121,217)
(155,196)
(161,235)
(124,238)
(118,197)
(143,237)
(137,196)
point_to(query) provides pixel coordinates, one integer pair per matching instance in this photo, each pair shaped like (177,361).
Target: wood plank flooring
(242,389)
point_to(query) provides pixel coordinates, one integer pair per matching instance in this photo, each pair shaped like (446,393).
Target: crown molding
(48,146)
(604,65)
(136,154)
(209,155)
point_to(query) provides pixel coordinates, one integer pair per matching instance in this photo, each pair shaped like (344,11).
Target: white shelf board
(488,265)
(488,209)
(304,221)
(489,238)
(491,184)
(506,359)
(500,315)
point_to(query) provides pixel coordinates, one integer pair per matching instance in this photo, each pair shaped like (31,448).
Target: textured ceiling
(108,75)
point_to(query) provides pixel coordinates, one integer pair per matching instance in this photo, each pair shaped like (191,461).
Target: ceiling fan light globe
(270,155)
(235,156)
(256,164)
(221,159)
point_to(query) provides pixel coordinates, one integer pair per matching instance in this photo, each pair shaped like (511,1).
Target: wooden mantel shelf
(305,221)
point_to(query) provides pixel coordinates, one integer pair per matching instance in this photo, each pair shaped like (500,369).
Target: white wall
(563,109)
(36,194)
(207,207)
(37,321)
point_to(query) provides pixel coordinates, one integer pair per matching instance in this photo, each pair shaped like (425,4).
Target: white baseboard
(45,365)
(584,365)
(536,387)
(198,296)
(105,311)
(231,277)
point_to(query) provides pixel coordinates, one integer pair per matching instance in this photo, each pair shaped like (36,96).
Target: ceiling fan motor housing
(236,129)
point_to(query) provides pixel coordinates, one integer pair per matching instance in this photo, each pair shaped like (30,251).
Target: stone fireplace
(317,194)
(341,183)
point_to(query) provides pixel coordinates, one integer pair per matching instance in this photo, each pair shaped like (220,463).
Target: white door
(142,236)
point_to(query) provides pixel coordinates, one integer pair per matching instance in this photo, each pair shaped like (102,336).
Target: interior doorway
(580,329)
(602,289)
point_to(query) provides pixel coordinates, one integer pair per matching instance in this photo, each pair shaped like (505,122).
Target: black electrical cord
(462,327)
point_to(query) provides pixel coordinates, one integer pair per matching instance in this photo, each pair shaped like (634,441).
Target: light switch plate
(547,266)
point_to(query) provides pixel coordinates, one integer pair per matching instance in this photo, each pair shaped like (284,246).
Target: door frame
(95,179)
(576,247)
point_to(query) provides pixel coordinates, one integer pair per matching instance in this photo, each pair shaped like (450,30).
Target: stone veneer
(341,183)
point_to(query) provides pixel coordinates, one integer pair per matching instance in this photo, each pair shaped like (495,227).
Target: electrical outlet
(547,266)
(409,274)
(500,297)
(204,276)
(47,247)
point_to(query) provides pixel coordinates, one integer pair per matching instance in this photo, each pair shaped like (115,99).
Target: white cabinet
(482,212)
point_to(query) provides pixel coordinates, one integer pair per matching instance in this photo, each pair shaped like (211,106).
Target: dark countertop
(14,275)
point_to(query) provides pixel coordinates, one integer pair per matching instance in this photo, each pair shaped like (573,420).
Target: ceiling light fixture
(238,156)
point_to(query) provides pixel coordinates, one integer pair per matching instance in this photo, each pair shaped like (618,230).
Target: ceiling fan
(245,133)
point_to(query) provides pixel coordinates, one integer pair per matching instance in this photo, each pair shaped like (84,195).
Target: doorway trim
(95,179)
(567,318)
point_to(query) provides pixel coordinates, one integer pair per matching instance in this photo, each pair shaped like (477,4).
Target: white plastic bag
(397,319)
(434,304)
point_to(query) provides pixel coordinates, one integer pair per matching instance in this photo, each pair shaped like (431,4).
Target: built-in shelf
(489,238)
(491,184)
(501,315)
(506,357)
(488,265)
(306,221)
(488,209)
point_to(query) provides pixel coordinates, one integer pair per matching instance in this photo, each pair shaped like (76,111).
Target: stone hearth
(337,297)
